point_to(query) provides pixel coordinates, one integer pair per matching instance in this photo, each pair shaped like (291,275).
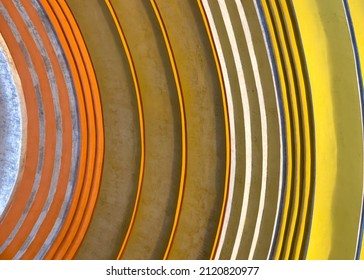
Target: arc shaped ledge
(195,129)
(13,127)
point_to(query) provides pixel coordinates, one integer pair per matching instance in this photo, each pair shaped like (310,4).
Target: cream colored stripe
(247,124)
(263,117)
(232,126)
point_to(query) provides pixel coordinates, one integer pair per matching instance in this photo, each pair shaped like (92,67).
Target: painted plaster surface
(10,130)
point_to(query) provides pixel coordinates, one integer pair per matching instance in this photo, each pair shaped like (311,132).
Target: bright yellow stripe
(141,124)
(227,129)
(292,94)
(306,128)
(357,15)
(184,128)
(279,63)
(339,158)
(313,37)
(315,45)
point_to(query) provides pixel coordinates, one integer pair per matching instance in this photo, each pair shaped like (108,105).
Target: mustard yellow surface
(357,15)
(335,96)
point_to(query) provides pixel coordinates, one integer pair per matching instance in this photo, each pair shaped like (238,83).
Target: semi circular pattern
(205,129)
(12,122)
(54,179)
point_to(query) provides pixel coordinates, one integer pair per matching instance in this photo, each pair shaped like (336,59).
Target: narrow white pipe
(281,123)
(247,125)
(232,125)
(263,116)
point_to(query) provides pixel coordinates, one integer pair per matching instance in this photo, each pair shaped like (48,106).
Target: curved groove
(83,132)
(359,74)
(305,116)
(329,54)
(296,230)
(268,94)
(99,145)
(55,211)
(293,152)
(221,68)
(12,96)
(21,57)
(85,190)
(305,231)
(141,123)
(183,124)
(47,218)
(294,109)
(247,125)
(282,124)
(225,88)
(50,230)
(38,84)
(82,207)
(59,164)
(262,109)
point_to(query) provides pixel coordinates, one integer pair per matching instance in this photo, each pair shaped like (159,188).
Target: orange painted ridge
(67,147)
(92,132)
(27,226)
(50,142)
(19,202)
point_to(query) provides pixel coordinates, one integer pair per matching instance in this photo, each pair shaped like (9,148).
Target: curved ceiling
(181,129)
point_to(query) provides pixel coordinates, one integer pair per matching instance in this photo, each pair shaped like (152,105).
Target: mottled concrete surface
(153,224)
(206,162)
(206,142)
(10,126)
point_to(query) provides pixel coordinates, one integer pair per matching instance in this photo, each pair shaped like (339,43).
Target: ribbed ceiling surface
(190,129)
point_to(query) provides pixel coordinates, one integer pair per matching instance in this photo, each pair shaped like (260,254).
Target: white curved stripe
(258,84)
(247,125)
(281,121)
(231,122)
